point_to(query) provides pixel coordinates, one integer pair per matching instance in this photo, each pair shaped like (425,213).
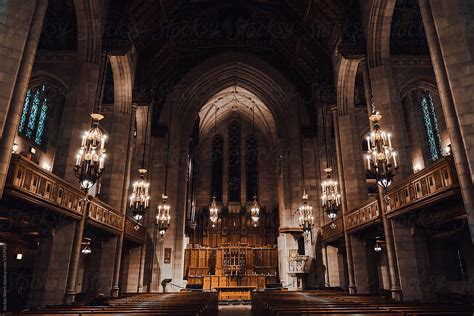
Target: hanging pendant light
(213,212)
(213,209)
(306,217)
(140,198)
(330,197)
(381,157)
(255,209)
(90,159)
(163,217)
(255,212)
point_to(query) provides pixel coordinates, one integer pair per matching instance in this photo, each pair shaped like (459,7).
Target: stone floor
(235,310)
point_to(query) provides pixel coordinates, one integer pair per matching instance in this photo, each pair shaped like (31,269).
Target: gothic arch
(123,82)
(90,18)
(378,32)
(346,80)
(418,83)
(247,71)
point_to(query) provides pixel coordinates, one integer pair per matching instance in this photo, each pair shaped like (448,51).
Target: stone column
(412,261)
(326,267)
(21,25)
(50,272)
(450,111)
(141,268)
(70,294)
(340,172)
(122,146)
(391,256)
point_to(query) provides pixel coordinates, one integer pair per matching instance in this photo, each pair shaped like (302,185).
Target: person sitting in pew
(99,300)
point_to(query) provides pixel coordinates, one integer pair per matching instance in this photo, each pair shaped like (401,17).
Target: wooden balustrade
(363,216)
(424,187)
(105,215)
(28,182)
(331,232)
(131,231)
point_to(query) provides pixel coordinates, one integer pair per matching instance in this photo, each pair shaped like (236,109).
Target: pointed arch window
(251,161)
(217,166)
(431,125)
(234,161)
(34,115)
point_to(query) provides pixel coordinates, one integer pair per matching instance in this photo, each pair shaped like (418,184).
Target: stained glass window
(217,166)
(431,125)
(234,162)
(251,164)
(34,114)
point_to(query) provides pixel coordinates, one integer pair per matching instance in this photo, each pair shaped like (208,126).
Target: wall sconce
(87,249)
(15,148)
(19,256)
(33,150)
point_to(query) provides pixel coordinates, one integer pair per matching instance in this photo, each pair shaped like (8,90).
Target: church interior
(238,157)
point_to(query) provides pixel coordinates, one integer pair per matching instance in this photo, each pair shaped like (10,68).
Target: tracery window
(431,125)
(217,166)
(34,115)
(234,161)
(251,160)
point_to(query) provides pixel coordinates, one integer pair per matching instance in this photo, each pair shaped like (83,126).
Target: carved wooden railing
(27,181)
(132,232)
(362,216)
(331,231)
(424,187)
(105,215)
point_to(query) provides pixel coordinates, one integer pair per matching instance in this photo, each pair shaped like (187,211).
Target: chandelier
(163,217)
(306,215)
(213,209)
(255,212)
(140,198)
(89,164)
(255,209)
(213,212)
(381,158)
(331,199)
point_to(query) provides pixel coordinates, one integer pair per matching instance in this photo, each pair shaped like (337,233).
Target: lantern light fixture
(163,217)
(213,212)
(90,158)
(306,217)
(381,157)
(140,198)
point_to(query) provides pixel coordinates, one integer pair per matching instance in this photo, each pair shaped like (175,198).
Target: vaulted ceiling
(296,36)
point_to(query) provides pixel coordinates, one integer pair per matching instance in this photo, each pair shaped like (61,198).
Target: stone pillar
(412,260)
(361,274)
(21,23)
(444,61)
(336,275)
(326,266)
(391,256)
(123,144)
(50,268)
(340,172)
(70,294)
(141,269)
(101,267)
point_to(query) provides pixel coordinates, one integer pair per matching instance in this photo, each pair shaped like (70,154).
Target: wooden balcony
(28,182)
(335,232)
(424,188)
(132,233)
(363,216)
